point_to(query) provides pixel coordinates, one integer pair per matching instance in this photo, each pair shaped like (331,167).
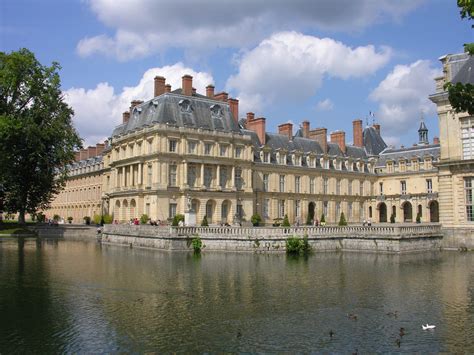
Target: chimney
(92,151)
(320,135)
(222,96)
(135,103)
(187,85)
(125,116)
(377,127)
(167,88)
(99,148)
(210,91)
(83,154)
(339,137)
(194,91)
(257,125)
(286,129)
(435,140)
(305,129)
(234,108)
(77,156)
(159,85)
(357,133)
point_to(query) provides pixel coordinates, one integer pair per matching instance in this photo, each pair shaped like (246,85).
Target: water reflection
(76,296)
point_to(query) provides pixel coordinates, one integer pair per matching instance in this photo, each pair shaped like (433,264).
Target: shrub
(197,244)
(97,219)
(323,218)
(41,217)
(107,218)
(297,246)
(342,220)
(204,222)
(418,218)
(144,219)
(87,220)
(277,222)
(286,222)
(69,219)
(392,218)
(176,219)
(256,220)
(56,218)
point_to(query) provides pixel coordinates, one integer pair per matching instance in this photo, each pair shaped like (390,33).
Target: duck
(398,341)
(352,316)
(331,333)
(427,326)
(402,332)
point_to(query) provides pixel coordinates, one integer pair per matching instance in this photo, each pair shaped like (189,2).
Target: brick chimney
(305,126)
(234,108)
(222,96)
(377,127)
(257,125)
(286,129)
(167,88)
(83,154)
(339,137)
(99,148)
(135,103)
(320,135)
(92,151)
(125,116)
(159,85)
(357,133)
(77,156)
(435,140)
(210,91)
(187,85)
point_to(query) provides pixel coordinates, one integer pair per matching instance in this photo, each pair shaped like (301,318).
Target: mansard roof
(373,141)
(465,75)
(174,109)
(409,153)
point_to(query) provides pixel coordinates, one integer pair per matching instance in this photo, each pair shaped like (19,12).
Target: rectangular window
(223,150)
(338,210)
(467,137)
(361,188)
(265,182)
(149,175)
(349,187)
(172,210)
(281,208)
(297,208)
(282,183)
(192,147)
(325,186)
(172,175)
(428,164)
(349,209)
(240,211)
(402,166)
(238,152)
(207,148)
(311,185)
(223,177)
(266,208)
(192,175)
(173,143)
(238,179)
(325,208)
(403,187)
(338,187)
(266,157)
(390,167)
(147,209)
(207,176)
(297,184)
(415,165)
(468,188)
(429,186)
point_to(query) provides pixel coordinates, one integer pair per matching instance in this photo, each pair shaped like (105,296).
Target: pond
(69,296)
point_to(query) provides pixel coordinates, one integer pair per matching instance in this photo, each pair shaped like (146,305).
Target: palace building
(181,151)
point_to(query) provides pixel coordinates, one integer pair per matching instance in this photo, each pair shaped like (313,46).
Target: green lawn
(12,227)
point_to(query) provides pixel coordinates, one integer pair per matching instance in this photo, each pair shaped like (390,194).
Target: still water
(83,297)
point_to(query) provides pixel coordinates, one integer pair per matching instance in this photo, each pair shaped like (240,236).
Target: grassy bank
(10,228)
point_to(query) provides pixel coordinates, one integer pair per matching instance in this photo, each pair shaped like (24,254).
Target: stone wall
(457,238)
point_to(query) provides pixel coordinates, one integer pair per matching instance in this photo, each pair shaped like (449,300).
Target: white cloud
(97,111)
(325,105)
(146,26)
(292,66)
(403,95)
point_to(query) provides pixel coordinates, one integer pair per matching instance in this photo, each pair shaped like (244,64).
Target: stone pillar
(232,177)
(185,174)
(140,175)
(202,175)
(123,175)
(218,175)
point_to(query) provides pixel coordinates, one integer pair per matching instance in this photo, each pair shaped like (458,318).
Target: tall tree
(461,96)
(37,138)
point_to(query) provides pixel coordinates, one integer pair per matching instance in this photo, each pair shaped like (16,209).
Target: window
(381,187)
(402,166)
(207,148)
(282,183)
(338,210)
(297,184)
(311,185)
(172,175)
(207,176)
(223,150)
(238,179)
(325,208)
(325,186)
(468,188)
(149,175)
(297,208)
(403,187)
(338,187)
(281,208)
(415,165)
(147,209)
(265,182)
(192,174)
(172,210)
(266,157)
(240,211)
(390,167)
(266,208)
(467,137)
(349,187)
(223,177)
(429,186)
(238,152)
(192,147)
(361,188)
(172,145)
(428,164)
(349,209)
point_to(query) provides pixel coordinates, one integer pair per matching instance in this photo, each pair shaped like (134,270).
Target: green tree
(286,222)
(37,138)
(204,222)
(342,220)
(256,220)
(461,96)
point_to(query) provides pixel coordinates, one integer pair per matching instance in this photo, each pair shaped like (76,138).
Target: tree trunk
(21,217)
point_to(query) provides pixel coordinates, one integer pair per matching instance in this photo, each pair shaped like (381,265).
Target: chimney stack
(234,108)
(167,88)
(305,129)
(135,103)
(377,127)
(286,129)
(92,151)
(99,148)
(222,96)
(159,85)
(339,137)
(187,85)
(77,156)
(357,133)
(257,125)
(83,154)
(210,91)
(125,116)
(194,91)
(435,140)
(320,135)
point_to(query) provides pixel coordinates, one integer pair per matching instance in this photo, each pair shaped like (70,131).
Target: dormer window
(185,106)
(216,111)
(266,157)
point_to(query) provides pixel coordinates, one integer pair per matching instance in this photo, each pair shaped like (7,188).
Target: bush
(286,222)
(176,219)
(298,246)
(197,244)
(342,220)
(69,219)
(323,219)
(256,220)
(204,222)
(418,218)
(144,219)
(277,222)
(97,219)
(87,220)
(56,218)
(392,218)
(107,218)
(41,217)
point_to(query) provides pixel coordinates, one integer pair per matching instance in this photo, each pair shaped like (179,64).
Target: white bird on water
(427,326)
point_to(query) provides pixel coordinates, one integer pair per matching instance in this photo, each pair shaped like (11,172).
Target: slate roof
(465,75)
(373,142)
(174,109)
(409,153)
